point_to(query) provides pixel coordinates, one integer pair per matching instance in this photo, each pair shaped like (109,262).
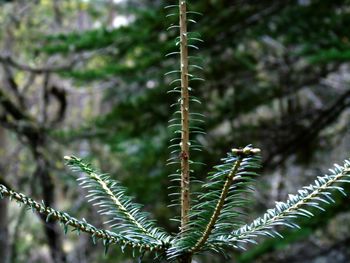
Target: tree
(20,84)
(208,224)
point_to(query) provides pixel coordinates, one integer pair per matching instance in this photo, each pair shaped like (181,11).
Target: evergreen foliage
(255,55)
(124,215)
(213,220)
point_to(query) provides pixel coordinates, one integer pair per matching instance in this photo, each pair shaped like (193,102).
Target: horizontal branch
(108,237)
(37,70)
(312,196)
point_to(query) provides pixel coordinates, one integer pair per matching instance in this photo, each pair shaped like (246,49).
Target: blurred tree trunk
(4,232)
(43,173)
(57,13)
(4,235)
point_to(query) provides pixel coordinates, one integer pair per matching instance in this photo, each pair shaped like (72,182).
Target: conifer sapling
(210,222)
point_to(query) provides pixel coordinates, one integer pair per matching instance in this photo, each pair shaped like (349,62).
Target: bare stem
(185,152)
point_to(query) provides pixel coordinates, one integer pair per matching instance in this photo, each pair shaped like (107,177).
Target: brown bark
(185,141)
(185,132)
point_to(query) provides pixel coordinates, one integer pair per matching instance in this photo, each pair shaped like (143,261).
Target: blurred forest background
(87,78)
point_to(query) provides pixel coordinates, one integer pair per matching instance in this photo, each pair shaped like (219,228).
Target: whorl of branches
(214,222)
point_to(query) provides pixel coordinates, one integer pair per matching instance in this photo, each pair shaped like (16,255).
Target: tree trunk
(42,172)
(4,233)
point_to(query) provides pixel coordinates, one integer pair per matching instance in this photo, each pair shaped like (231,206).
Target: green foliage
(215,221)
(66,220)
(215,211)
(317,23)
(210,225)
(292,235)
(314,196)
(243,54)
(124,216)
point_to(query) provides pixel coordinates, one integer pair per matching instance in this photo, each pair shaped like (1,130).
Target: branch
(283,214)
(108,237)
(209,228)
(11,108)
(214,213)
(39,70)
(259,16)
(13,85)
(324,118)
(125,215)
(13,118)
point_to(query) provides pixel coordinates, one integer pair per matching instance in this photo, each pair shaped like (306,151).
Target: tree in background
(33,103)
(265,64)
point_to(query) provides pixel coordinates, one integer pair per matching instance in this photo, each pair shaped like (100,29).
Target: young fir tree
(210,222)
